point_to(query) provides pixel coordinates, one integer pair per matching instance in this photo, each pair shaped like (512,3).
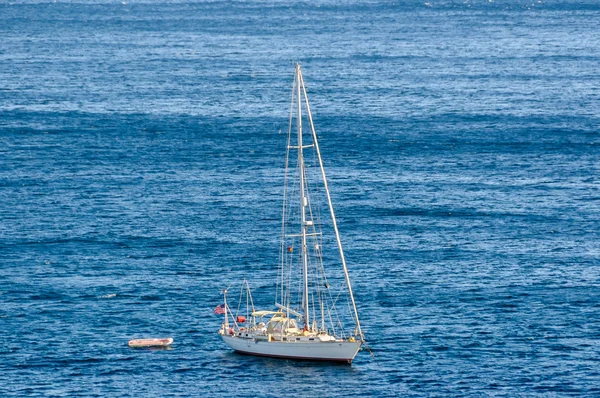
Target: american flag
(220,309)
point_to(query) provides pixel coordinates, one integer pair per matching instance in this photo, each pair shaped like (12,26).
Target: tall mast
(303,199)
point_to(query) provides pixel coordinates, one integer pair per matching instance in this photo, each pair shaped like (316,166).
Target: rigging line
(298,285)
(313,312)
(315,185)
(288,281)
(350,311)
(240,300)
(315,261)
(292,277)
(337,234)
(316,286)
(247,299)
(317,216)
(285,179)
(334,308)
(322,293)
(323,296)
(373,355)
(250,295)
(289,210)
(332,325)
(284,291)
(232,317)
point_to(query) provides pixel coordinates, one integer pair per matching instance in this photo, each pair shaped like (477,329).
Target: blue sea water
(141,156)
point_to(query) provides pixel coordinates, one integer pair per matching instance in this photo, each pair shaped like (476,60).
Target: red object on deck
(241,319)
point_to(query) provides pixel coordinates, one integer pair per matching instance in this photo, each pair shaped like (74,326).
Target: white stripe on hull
(318,351)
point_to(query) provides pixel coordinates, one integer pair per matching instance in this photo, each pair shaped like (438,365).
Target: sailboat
(314,316)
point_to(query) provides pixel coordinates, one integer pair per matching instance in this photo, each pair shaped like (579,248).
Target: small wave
(107,296)
(182,370)
(47,296)
(150,297)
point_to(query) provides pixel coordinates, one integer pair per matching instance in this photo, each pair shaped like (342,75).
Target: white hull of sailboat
(338,351)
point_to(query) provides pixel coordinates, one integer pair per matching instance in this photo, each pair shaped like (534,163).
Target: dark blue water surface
(141,172)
